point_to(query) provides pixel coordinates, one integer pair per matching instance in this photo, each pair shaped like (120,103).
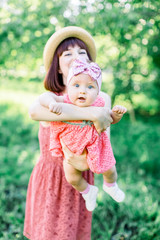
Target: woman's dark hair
(53,80)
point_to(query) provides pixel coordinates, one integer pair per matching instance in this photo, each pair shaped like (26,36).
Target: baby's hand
(119,109)
(55,108)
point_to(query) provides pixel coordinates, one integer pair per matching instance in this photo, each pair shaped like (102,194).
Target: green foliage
(136,150)
(18,147)
(126,34)
(127,39)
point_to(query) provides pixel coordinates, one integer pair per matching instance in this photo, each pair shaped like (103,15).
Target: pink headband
(82,66)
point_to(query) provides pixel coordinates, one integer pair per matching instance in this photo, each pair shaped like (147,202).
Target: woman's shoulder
(104,95)
(106,98)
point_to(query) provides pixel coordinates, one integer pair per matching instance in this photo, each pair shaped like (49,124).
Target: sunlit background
(126,34)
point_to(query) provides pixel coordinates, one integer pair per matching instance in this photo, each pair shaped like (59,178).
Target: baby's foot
(115,192)
(90,198)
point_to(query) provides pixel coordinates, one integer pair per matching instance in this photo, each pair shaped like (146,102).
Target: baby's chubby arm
(117,113)
(51,101)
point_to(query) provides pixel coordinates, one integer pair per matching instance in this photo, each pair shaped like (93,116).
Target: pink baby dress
(78,135)
(54,209)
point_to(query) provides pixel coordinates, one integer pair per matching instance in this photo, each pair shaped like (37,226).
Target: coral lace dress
(78,135)
(54,209)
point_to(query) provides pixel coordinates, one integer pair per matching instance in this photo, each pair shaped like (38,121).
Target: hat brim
(67,32)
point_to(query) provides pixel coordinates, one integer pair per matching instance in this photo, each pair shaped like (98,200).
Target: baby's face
(82,90)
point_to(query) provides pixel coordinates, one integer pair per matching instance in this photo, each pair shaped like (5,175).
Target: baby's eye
(90,86)
(77,85)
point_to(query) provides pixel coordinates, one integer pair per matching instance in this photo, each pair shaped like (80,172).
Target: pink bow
(80,66)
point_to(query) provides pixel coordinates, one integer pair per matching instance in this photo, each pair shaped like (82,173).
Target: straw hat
(61,35)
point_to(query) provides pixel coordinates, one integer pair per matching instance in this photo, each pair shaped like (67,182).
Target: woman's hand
(102,118)
(79,162)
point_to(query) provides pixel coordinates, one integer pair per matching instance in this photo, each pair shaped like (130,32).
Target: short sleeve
(99,102)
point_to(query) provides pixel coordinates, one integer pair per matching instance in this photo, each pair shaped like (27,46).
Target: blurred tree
(133,56)
(126,34)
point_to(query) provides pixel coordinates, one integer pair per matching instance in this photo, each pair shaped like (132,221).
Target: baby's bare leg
(110,186)
(110,176)
(74,177)
(89,192)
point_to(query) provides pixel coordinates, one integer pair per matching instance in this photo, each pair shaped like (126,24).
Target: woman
(54,210)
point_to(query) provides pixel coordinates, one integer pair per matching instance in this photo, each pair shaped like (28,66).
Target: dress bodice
(44,143)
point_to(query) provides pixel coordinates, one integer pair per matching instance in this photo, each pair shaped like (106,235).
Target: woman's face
(67,57)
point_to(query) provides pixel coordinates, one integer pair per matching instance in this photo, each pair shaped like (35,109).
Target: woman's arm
(100,116)
(79,162)
(51,101)
(107,100)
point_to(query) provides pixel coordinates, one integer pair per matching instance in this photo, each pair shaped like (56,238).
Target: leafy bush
(136,149)
(18,147)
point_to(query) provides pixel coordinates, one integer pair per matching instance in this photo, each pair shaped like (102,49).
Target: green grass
(136,148)
(18,151)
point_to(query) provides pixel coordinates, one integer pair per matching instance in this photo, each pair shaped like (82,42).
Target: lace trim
(82,124)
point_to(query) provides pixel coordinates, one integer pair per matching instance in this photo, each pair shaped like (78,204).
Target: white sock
(90,197)
(114,191)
